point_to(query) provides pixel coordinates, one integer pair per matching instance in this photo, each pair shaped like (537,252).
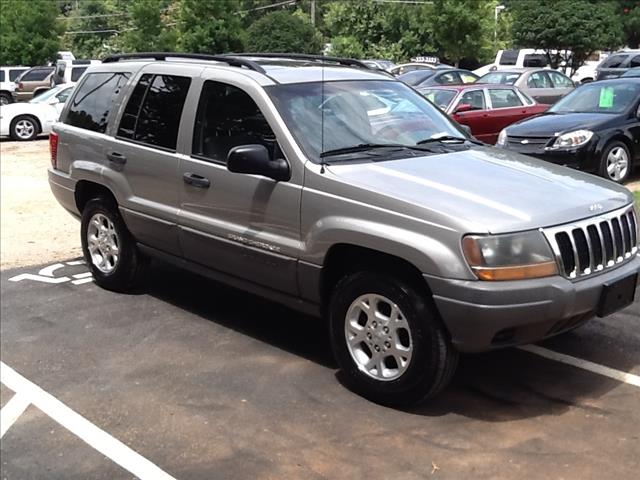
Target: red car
(486,109)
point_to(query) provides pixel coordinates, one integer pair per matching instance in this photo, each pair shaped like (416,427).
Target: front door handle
(196,180)
(116,157)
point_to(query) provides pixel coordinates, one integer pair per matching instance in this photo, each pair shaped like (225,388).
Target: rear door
(506,108)
(246,226)
(539,87)
(142,161)
(563,85)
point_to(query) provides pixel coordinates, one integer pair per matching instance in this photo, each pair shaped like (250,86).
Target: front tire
(24,128)
(388,339)
(615,164)
(109,248)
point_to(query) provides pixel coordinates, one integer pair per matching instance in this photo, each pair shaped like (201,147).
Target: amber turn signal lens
(520,272)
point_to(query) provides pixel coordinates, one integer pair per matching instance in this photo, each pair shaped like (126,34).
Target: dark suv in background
(617,63)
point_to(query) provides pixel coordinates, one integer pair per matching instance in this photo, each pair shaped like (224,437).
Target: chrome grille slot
(595,244)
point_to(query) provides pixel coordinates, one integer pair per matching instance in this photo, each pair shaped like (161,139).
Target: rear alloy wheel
(5,99)
(24,128)
(388,339)
(109,248)
(616,162)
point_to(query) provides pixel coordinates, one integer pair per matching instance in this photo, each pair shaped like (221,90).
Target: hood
(548,124)
(483,190)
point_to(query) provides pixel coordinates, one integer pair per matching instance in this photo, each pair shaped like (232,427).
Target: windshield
(599,98)
(46,96)
(329,116)
(504,78)
(440,98)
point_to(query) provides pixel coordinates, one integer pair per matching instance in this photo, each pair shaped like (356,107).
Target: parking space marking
(12,411)
(625,377)
(109,446)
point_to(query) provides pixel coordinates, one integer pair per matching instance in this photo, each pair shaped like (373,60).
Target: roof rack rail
(228,59)
(349,62)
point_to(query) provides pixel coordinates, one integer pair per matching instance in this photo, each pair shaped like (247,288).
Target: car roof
(265,69)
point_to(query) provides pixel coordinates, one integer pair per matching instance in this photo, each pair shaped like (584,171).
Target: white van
(70,71)
(516,58)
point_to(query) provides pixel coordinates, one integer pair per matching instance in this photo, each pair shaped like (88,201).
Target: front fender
(440,257)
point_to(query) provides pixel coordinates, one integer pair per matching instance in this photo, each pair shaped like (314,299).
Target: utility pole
(313,12)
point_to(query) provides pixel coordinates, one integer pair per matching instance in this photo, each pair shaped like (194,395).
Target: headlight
(514,256)
(502,138)
(573,139)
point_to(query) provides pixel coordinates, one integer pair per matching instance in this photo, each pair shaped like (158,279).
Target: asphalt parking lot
(202,381)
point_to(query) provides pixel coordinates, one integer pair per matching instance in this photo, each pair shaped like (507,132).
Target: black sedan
(427,78)
(596,128)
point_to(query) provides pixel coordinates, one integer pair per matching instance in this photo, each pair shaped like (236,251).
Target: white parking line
(109,446)
(625,377)
(12,411)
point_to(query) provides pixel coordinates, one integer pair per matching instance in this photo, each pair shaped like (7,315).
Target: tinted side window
(449,78)
(228,117)
(614,61)
(1,75)
(127,126)
(635,62)
(36,75)
(158,120)
(76,73)
(504,98)
(13,74)
(94,99)
(509,57)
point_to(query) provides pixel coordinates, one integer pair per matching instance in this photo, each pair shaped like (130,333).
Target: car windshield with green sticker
(599,98)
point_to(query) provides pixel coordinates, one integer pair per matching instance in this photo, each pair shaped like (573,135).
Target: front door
(247,226)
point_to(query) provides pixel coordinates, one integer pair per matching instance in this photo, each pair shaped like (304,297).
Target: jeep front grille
(595,244)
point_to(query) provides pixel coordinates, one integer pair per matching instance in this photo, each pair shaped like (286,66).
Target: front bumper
(582,158)
(482,316)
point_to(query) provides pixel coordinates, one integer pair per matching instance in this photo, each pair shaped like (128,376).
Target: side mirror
(254,159)
(467,129)
(54,101)
(464,107)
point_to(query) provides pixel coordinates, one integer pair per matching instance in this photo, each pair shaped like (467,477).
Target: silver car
(544,85)
(343,193)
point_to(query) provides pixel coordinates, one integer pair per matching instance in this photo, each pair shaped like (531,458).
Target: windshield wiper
(444,138)
(363,147)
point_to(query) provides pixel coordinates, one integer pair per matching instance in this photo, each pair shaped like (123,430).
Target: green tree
(584,28)
(93,27)
(209,26)
(147,29)
(461,27)
(29,32)
(630,19)
(282,31)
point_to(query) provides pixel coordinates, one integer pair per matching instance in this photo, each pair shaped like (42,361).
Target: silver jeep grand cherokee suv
(338,191)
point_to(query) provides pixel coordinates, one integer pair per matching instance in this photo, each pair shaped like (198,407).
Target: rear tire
(109,248)
(424,360)
(5,98)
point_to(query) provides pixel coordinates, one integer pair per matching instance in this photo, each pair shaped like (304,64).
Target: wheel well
(343,259)
(34,118)
(626,141)
(86,190)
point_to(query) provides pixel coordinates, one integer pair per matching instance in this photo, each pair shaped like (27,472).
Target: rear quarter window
(76,73)
(94,99)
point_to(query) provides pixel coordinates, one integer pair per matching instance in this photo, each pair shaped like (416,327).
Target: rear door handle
(116,157)
(196,180)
